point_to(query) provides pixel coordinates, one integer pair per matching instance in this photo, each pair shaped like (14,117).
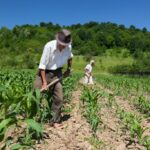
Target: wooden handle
(51,83)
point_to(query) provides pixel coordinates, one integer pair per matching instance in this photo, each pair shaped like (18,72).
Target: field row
(112,113)
(24,110)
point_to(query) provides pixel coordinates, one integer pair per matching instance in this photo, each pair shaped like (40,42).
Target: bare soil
(113,133)
(74,134)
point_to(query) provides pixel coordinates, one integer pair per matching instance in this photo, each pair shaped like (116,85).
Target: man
(55,54)
(88,73)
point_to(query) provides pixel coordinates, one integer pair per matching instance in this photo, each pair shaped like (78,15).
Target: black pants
(56,89)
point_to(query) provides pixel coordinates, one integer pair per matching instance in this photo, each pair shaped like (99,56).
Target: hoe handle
(51,83)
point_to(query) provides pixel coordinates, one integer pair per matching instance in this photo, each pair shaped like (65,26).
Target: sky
(68,12)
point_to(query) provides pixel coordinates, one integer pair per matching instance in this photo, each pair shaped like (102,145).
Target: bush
(120,69)
(141,66)
(29,61)
(134,69)
(87,57)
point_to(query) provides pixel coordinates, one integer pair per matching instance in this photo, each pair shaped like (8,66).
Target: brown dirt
(147,96)
(76,130)
(130,108)
(74,134)
(110,131)
(113,134)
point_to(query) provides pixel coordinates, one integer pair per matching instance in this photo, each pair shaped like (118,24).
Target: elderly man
(55,54)
(88,73)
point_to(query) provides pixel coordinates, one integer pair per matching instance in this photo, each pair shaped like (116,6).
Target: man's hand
(67,73)
(44,82)
(44,86)
(87,74)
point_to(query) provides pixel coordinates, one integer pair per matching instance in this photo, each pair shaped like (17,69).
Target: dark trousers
(57,92)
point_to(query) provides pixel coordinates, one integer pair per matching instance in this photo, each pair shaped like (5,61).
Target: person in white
(88,79)
(55,54)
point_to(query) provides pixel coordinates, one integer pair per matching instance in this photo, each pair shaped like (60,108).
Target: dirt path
(74,134)
(110,132)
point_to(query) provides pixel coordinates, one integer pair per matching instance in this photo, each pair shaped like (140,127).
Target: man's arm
(42,66)
(68,71)
(69,63)
(43,76)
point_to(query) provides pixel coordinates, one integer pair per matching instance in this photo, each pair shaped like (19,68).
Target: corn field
(126,100)
(24,110)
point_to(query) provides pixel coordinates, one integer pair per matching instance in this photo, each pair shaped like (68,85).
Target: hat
(63,37)
(92,62)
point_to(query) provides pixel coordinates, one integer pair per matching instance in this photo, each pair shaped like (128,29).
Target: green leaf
(3,127)
(38,94)
(2,88)
(4,123)
(15,147)
(34,125)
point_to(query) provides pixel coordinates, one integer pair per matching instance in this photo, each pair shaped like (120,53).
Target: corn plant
(133,123)
(90,97)
(142,104)
(131,88)
(23,108)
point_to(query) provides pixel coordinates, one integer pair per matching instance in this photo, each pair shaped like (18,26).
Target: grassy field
(102,63)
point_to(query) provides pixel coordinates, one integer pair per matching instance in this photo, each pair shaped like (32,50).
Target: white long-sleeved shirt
(52,58)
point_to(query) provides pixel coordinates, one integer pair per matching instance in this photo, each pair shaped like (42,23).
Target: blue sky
(67,12)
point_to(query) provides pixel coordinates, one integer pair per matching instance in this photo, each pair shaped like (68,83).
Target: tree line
(94,38)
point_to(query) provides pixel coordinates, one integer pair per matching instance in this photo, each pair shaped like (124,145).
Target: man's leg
(57,103)
(57,92)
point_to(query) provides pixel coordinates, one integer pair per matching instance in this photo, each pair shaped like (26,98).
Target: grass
(98,144)
(79,62)
(102,63)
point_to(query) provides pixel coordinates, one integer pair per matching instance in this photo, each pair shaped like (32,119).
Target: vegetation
(89,98)
(134,90)
(21,47)
(116,49)
(24,110)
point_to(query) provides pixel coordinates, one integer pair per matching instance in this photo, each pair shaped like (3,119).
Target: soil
(109,118)
(76,131)
(73,135)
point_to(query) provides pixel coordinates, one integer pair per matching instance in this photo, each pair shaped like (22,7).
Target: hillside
(21,47)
